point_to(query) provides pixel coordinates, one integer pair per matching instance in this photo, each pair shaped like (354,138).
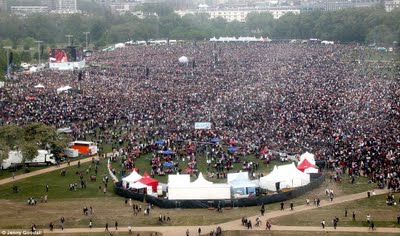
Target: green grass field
(382,214)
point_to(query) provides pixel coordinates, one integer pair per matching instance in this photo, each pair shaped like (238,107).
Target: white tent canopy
(138,185)
(201,189)
(288,176)
(183,60)
(63,89)
(308,156)
(311,170)
(119,45)
(131,179)
(39,86)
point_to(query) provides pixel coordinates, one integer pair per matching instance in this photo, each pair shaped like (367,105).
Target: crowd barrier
(316,180)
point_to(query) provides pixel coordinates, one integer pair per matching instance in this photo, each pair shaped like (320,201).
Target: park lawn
(8,173)
(382,214)
(59,185)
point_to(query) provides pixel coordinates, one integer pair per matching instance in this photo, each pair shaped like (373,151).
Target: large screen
(71,54)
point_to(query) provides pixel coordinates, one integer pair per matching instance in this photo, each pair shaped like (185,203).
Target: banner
(202,125)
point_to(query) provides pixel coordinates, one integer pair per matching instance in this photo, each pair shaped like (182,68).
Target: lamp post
(86,36)
(69,36)
(7,48)
(38,42)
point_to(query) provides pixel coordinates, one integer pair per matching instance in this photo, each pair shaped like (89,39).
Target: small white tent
(63,89)
(119,45)
(129,180)
(39,86)
(287,176)
(138,185)
(183,60)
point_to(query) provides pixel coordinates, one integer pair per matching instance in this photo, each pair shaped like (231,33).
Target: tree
(11,136)
(4,149)
(29,151)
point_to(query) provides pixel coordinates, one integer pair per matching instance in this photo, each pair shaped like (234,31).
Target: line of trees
(364,25)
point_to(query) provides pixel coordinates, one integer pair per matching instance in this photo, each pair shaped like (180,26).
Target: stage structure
(70,58)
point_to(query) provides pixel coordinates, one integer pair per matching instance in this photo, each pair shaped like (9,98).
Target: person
(187,232)
(368,194)
(372,225)
(90,223)
(345,212)
(13,174)
(51,226)
(323,224)
(291,206)
(307,201)
(398,219)
(368,218)
(354,216)
(282,206)
(47,188)
(129,229)
(318,202)
(62,222)
(199,231)
(262,210)
(116,225)
(106,229)
(268,225)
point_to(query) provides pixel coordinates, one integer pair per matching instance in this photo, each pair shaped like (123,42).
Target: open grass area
(294,233)
(8,173)
(382,214)
(59,185)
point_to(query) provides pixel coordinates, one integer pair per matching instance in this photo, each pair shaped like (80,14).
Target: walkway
(237,224)
(43,171)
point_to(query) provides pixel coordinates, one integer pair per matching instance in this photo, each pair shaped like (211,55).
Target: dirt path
(237,225)
(43,171)
(232,225)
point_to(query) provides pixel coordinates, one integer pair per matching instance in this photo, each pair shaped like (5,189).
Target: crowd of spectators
(283,97)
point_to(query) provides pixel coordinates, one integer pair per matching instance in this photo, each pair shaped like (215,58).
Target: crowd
(283,97)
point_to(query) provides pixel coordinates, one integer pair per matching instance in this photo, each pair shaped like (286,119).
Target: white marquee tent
(129,180)
(200,189)
(63,89)
(241,184)
(183,60)
(288,176)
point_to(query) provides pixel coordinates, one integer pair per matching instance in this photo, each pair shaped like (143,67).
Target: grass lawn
(296,233)
(382,214)
(8,173)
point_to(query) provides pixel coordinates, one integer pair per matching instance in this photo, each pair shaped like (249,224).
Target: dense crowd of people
(283,97)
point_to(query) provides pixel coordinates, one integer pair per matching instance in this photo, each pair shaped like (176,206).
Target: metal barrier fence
(316,180)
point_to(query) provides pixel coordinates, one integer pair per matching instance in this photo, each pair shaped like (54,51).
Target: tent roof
(305,164)
(308,156)
(201,180)
(138,185)
(146,179)
(133,177)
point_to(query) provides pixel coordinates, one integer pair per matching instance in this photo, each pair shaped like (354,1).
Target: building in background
(335,5)
(3,6)
(391,5)
(62,6)
(28,10)
(239,14)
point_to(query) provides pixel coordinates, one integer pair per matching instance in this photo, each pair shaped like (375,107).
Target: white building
(240,14)
(28,10)
(63,6)
(391,5)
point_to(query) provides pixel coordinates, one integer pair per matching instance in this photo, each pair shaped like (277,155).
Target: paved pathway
(42,171)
